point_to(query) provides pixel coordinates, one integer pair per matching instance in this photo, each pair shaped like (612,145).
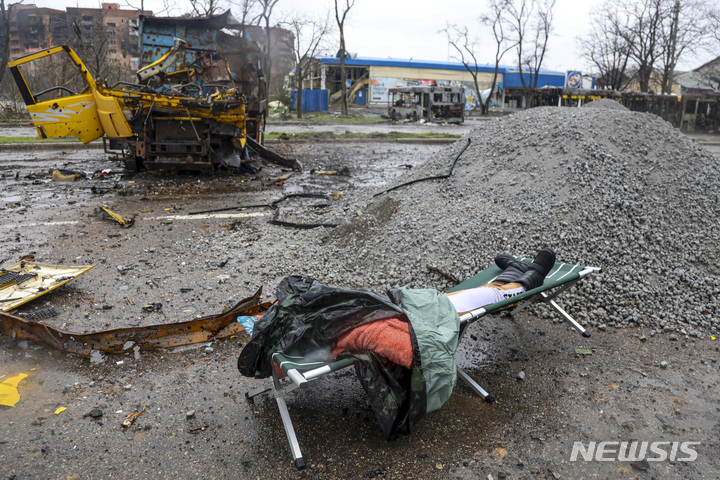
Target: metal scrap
(273,157)
(27,280)
(9,394)
(125,222)
(170,335)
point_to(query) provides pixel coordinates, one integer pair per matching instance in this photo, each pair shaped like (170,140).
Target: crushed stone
(604,187)
(605,103)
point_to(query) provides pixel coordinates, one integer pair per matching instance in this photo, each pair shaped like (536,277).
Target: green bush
(282,96)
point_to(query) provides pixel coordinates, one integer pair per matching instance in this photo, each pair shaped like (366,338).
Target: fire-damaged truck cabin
(429,103)
(198,99)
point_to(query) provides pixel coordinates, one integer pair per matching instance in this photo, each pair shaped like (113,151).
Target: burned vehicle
(429,103)
(198,99)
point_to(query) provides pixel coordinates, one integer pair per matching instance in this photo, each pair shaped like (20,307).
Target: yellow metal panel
(74,116)
(47,278)
(111,116)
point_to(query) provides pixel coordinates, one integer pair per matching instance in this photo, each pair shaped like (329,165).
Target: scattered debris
(152,307)
(9,394)
(104,173)
(583,351)
(125,222)
(280,181)
(168,335)
(26,281)
(130,419)
(40,314)
(62,175)
(521,375)
(345,171)
(199,429)
(94,413)
(60,410)
(271,156)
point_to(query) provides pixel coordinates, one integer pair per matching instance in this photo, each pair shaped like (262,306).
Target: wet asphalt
(196,421)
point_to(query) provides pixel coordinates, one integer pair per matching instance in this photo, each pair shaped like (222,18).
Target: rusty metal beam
(167,335)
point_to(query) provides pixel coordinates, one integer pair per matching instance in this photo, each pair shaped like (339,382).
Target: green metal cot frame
(301,371)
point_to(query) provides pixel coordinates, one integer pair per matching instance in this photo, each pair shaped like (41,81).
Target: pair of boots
(530,275)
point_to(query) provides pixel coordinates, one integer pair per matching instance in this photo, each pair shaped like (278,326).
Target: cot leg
(279,394)
(567,316)
(475,386)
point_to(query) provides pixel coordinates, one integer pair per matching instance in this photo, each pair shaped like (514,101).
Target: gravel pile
(604,187)
(605,103)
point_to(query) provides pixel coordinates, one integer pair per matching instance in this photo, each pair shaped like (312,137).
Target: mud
(197,423)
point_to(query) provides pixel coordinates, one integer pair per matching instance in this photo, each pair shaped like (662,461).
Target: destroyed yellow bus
(188,108)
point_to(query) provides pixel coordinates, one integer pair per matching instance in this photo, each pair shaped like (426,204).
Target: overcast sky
(405,29)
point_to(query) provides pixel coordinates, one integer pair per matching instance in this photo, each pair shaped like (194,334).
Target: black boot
(538,269)
(513,269)
(504,261)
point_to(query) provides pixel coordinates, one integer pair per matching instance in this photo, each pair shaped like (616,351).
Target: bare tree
(687,28)
(309,34)
(714,28)
(206,8)
(340,16)
(459,38)
(266,10)
(641,30)
(606,48)
(93,45)
(493,20)
(529,23)
(5,25)
(712,73)
(246,9)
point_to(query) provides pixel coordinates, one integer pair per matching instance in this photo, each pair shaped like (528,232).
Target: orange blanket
(389,338)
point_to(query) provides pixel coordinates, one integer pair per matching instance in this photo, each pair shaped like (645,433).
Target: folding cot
(301,371)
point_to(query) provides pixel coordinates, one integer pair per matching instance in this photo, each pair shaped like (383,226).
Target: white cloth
(474,298)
